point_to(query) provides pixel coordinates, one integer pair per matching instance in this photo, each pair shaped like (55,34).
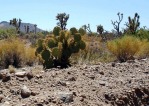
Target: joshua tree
(87,28)
(133,23)
(116,24)
(35,28)
(100,29)
(62,18)
(26,28)
(16,23)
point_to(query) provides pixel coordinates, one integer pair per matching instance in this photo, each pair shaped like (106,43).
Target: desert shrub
(6,33)
(13,52)
(124,48)
(30,58)
(94,52)
(33,38)
(144,49)
(143,34)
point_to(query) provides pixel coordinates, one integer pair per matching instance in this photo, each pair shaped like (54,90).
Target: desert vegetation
(72,46)
(64,48)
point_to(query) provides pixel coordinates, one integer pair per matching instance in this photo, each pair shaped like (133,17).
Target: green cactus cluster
(56,50)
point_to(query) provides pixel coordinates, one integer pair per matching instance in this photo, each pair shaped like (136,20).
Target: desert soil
(103,84)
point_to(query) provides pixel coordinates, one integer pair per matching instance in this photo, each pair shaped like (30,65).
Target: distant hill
(6,25)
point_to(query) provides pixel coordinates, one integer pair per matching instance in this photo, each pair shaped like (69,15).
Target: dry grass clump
(144,49)
(125,48)
(30,57)
(14,52)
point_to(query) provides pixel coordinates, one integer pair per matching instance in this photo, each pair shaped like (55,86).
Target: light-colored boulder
(20,74)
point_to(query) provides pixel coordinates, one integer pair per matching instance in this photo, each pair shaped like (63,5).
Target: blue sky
(94,12)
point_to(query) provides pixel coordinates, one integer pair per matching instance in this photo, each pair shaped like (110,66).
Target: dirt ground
(103,84)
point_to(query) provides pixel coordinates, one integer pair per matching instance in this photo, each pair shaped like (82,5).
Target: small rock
(6,77)
(146,72)
(92,77)
(101,72)
(120,103)
(102,83)
(39,76)
(63,83)
(25,92)
(1,98)
(82,97)
(72,79)
(20,79)
(66,97)
(130,61)
(29,75)
(2,72)
(39,104)
(34,92)
(113,64)
(20,74)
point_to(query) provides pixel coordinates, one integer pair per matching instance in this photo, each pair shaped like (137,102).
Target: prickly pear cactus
(56,31)
(56,50)
(73,30)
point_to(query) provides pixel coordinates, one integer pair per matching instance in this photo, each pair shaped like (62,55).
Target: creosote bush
(13,52)
(125,48)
